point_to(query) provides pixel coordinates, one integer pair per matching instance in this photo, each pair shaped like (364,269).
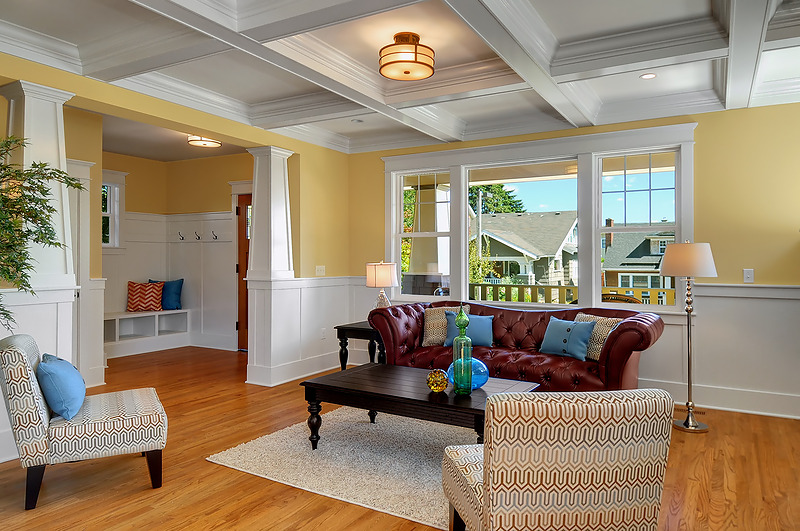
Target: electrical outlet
(320,271)
(749,276)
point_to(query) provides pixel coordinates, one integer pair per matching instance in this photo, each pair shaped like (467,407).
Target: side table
(359,330)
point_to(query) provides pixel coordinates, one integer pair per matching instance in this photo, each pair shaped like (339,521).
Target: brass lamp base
(690,424)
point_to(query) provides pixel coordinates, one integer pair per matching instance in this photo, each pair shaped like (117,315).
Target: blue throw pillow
(171,296)
(479,329)
(567,338)
(62,385)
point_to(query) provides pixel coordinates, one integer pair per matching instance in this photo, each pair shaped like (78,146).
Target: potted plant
(26,212)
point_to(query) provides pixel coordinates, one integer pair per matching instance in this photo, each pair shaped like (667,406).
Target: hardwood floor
(743,474)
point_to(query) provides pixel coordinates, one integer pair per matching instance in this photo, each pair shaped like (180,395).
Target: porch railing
(561,294)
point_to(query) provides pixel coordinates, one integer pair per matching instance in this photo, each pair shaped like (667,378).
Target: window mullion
(458,233)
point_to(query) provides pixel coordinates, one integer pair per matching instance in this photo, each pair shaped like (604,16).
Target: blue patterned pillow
(171,296)
(567,338)
(479,329)
(62,385)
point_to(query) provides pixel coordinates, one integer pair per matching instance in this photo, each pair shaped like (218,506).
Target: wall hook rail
(196,236)
(214,234)
(180,235)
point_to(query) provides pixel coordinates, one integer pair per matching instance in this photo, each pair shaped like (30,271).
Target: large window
(578,220)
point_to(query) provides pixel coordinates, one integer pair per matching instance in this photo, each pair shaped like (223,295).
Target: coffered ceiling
(308,68)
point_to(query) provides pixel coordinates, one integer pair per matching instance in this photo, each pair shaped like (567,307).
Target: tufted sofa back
(517,337)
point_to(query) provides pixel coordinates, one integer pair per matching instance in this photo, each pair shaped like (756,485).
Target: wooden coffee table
(401,391)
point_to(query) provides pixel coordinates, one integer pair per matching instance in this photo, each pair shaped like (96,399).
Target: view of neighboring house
(532,247)
(631,262)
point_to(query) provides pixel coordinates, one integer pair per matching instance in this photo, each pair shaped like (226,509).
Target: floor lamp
(382,275)
(689,260)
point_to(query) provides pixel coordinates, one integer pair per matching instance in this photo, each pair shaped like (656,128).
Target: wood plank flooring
(743,474)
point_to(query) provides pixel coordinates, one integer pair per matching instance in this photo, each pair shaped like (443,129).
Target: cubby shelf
(127,333)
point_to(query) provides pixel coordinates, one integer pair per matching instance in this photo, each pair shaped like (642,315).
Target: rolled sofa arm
(400,327)
(633,334)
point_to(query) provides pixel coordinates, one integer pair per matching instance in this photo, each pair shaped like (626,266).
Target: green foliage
(479,267)
(26,214)
(496,199)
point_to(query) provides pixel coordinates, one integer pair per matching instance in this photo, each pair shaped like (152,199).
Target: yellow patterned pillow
(435,331)
(603,326)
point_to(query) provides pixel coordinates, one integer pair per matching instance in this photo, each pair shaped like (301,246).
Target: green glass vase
(462,356)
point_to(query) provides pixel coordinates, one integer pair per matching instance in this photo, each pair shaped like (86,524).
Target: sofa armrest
(400,327)
(633,334)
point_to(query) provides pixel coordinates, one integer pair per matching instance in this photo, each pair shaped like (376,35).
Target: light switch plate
(748,276)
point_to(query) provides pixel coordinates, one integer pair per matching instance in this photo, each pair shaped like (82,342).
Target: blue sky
(625,197)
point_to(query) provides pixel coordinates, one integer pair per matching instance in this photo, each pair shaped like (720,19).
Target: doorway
(244,216)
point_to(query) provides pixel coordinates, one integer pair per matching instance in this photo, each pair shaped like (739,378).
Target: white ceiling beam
(648,48)
(747,25)
(509,36)
(308,108)
(329,80)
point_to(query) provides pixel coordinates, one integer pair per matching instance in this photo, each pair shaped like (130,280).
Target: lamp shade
(688,260)
(201,141)
(406,59)
(381,275)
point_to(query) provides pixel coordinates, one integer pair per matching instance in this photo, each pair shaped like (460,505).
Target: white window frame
(587,149)
(115,180)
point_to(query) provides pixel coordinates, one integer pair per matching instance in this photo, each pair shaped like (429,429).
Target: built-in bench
(126,333)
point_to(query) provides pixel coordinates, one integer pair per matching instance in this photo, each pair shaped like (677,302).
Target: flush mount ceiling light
(200,141)
(406,59)
(648,75)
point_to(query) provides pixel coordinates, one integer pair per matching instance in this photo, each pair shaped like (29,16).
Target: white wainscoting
(746,353)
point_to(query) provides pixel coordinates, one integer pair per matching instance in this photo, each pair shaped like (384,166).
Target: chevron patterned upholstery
(124,422)
(563,461)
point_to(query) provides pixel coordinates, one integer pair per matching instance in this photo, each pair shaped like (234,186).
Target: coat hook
(180,235)
(214,234)
(196,236)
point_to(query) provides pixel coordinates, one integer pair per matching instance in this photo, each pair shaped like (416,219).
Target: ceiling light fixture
(406,59)
(200,141)
(648,75)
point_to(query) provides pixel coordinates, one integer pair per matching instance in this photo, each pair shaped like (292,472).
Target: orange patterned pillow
(144,297)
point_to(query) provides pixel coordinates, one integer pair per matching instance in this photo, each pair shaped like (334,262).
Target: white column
(273,314)
(36,113)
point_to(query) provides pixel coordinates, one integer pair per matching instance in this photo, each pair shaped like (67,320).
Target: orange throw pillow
(145,297)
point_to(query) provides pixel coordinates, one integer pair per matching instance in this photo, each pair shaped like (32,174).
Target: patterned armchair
(123,422)
(589,461)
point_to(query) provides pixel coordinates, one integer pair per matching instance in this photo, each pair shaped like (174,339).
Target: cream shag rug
(393,466)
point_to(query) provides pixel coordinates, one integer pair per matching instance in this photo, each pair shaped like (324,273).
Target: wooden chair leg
(456,522)
(32,485)
(154,467)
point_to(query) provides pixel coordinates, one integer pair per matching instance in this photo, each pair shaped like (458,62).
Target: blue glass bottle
(462,356)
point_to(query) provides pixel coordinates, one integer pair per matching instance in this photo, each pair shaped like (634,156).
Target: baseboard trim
(220,342)
(272,376)
(728,399)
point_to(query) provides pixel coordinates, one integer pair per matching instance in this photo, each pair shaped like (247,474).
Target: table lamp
(689,260)
(382,275)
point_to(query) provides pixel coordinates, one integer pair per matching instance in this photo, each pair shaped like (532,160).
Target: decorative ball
(437,380)
(480,373)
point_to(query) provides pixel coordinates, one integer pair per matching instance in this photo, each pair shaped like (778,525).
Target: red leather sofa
(517,336)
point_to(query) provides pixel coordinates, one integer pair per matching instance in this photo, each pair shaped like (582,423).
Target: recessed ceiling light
(357,121)
(648,75)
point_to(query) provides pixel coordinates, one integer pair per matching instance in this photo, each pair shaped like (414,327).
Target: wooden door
(243,217)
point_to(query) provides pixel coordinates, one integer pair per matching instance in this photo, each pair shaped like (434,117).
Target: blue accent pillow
(479,329)
(171,296)
(567,338)
(62,385)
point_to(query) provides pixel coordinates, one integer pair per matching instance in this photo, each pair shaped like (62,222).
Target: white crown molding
(522,21)
(33,46)
(387,141)
(634,50)
(306,108)
(585,98)
(522,125)
(170,89)
(317,136)
(784,28)
(776,93)
(220,11)
(447,122)
(663,106)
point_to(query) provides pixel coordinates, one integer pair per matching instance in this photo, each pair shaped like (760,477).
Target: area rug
(392,466)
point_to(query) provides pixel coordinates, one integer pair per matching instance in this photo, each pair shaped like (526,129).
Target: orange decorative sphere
(437,380)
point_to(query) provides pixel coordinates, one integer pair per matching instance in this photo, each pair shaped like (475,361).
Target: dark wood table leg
(343,351)
(381,353)
(479,428)
(371,349)
(314,422)
(372,414)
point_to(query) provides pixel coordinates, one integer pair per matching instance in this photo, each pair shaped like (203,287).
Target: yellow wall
(83,136)
(201,185)
(145,182)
